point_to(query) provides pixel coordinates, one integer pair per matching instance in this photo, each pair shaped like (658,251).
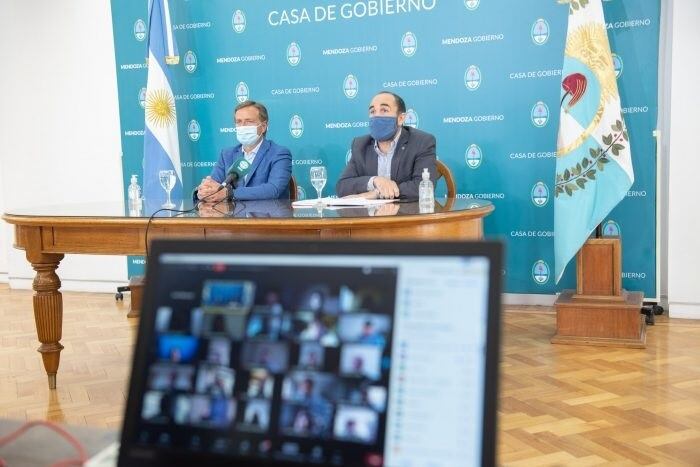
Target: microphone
(237,171)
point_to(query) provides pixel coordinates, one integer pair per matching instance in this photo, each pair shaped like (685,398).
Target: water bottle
(134,190)
(426,194)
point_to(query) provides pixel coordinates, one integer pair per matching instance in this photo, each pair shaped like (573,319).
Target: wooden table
(46,234)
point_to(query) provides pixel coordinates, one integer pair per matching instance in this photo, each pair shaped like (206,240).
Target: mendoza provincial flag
(594,163)
(161,148)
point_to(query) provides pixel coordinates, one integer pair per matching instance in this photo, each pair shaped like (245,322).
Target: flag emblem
(160,108)
(594,162)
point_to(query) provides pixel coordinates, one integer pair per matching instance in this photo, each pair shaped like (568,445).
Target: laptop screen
(331,359)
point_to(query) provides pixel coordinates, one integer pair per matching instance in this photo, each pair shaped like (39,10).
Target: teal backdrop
(482,75)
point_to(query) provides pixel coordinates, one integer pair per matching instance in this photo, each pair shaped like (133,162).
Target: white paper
(309,203)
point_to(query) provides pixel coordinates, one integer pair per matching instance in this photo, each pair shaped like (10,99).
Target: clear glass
(318,179)
(167,181)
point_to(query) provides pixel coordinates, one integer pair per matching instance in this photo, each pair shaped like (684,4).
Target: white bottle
(426,194)
(134,190)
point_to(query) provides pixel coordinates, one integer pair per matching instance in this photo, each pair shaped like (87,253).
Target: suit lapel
(262,152)
(398,153)
(371,159)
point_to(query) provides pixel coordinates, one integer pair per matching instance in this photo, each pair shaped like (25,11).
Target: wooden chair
(445,172)
(292,189)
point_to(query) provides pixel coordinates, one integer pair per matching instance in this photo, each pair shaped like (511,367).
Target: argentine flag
(594,162)
(161,148)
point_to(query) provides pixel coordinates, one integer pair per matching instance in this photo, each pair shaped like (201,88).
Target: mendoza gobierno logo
(194,130)
(472,78)
(473,156)
(350,86)
(296,126)
(540,32)
(539,114)
(190,62)
(540,272)
(293,54)
(409,44)
(611,229)
(238,21)
(618,64)
(539,194)
(472,4)
(242,92)
(142,98)
(411,118)
(140,30)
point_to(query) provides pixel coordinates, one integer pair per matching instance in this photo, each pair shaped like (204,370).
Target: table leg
(48,311)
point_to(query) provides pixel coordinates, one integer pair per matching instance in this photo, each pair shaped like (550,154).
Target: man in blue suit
(271,164)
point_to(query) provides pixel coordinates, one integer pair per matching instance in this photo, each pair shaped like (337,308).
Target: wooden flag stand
(599,311)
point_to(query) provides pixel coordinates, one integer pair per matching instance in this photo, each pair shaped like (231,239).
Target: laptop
(334,353)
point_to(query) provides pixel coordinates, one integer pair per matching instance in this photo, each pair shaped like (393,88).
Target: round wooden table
(48,233)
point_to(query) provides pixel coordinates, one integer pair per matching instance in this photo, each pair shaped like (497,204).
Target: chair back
(292,188)
(445,172)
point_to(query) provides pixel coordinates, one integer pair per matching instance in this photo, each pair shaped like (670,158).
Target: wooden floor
(559,405)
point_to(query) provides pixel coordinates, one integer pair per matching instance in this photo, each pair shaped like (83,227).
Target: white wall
(684,166)
(5,232)
(59,123)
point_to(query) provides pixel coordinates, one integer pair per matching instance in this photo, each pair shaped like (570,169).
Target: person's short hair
(261,108)
(400,104)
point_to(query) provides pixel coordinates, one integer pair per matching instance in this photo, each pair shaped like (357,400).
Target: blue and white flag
(594,162)
(161,148)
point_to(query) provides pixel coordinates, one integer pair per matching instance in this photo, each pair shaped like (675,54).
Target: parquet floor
(559,405)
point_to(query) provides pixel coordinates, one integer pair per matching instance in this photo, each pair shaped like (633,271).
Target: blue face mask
(247,135)
(383,128)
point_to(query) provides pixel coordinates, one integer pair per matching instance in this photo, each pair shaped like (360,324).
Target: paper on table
(309,203)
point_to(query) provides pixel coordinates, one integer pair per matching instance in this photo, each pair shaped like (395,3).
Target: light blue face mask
(247,135)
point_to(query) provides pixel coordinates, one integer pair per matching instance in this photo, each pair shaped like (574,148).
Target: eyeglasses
(248,123)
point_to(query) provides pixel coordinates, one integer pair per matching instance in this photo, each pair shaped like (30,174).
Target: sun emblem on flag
(160,108)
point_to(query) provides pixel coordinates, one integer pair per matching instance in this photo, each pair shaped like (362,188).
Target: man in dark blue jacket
(270,164)
(388,162)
